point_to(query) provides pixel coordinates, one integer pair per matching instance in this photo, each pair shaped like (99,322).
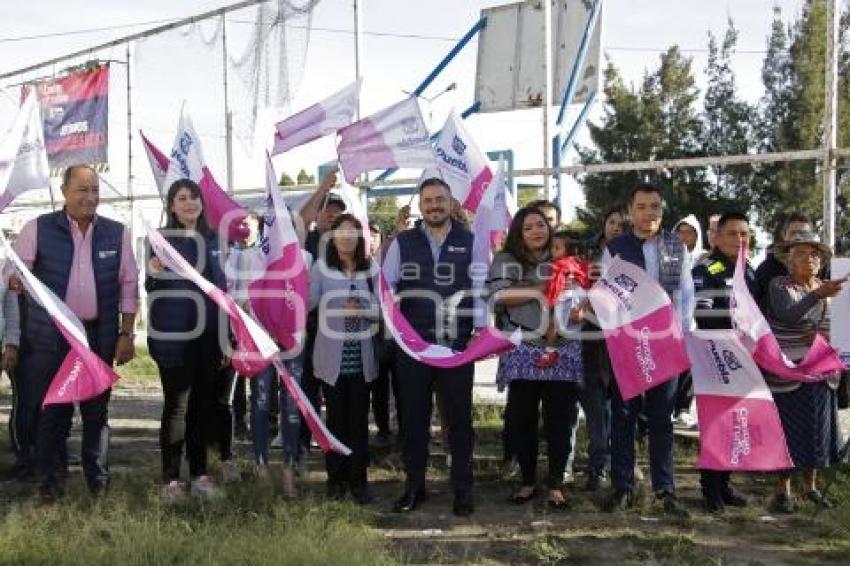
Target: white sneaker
(684,420)
(204,488)
(277,442)
(173,492)
(230,472)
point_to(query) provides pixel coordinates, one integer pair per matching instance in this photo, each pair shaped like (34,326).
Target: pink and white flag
(158,161)
(255,349)
(641,328)
(23,156)
(187,162)
(327,442)
(820,361)
(395,137)
(489,342)
(280,294)
(739,424)
(492,218)
(82,375)
(462,165)
(318,120)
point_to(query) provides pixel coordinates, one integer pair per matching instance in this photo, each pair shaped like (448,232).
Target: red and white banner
(318,120)
(739,424)
(82,375)
(462,165)
(820,361)
(187,162)
(280,294)
(255,349)
(641,328)
(393,138)
(23,158)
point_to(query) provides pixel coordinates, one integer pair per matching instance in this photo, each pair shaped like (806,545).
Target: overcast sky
(634,32)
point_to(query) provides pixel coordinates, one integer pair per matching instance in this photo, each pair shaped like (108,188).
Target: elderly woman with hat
(797,310)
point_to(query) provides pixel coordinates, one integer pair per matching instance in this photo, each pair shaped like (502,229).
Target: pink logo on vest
(739,425)
(641,328)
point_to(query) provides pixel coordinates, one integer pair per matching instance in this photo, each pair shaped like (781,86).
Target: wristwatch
(126,333)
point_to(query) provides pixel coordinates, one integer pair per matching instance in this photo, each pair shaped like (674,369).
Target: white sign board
(510,76)
(839,313)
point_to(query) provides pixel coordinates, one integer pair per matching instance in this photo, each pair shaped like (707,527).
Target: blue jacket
(173,302)
(52,266)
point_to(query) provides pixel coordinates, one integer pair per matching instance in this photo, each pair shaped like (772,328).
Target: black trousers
(380,390)
(54,424)
(223,411)
(684,393)
(240,400)
(348,420)
(417,383)
(560,406)
(188,408)
(714,483)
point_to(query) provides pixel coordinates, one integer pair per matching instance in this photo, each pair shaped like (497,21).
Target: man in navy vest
(663,256)
(428,266)
(87,261)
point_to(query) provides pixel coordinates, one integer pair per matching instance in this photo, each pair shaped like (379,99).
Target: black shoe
(671,504)
(819,500)
(19,472)
(362,495)
(713,504)
(384,439)
(50,493)
(782,503)
(410,501)
(621,500)
(463,505)
(594,480)
(99,489)
(732,499)
(335,491)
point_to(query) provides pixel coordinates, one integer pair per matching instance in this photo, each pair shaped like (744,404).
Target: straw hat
(798,238)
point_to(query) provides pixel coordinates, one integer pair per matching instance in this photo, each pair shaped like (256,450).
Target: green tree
(286,180)
(655,122)
(305,178)
(726,126)
(383,210)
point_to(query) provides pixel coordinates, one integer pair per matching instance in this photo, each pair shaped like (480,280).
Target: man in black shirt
(712,277)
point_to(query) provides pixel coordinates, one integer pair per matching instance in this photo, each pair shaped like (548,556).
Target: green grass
(130,525)
(141,371)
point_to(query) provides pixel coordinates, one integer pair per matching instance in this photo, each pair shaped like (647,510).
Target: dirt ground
(502,533)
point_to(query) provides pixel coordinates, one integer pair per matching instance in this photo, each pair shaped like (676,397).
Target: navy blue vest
(449,276)
(177,309)
(52,266)
(671,256)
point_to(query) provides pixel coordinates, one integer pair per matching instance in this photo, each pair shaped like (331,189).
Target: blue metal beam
(578,64)
(580,121)
(479,25)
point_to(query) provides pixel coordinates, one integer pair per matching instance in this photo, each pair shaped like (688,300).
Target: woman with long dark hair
(183,339)
(518,279)
(342,286)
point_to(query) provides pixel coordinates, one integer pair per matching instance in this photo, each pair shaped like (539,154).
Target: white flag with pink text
(23,156)
(739,424)
(641,328)
(318,120)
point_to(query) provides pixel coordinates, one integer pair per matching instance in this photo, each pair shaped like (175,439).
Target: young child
(568,270)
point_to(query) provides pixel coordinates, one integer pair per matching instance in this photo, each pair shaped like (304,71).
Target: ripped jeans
(263,388)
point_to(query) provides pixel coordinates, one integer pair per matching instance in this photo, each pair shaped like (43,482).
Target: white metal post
(228,117)
(830,122)
(547,94)
(129,138)
(358,47)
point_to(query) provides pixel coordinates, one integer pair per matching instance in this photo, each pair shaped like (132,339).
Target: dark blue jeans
(658,405)
(262,396)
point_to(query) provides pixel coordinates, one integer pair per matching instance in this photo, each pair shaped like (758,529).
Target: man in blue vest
(87,261)
(663,256)
(428,266)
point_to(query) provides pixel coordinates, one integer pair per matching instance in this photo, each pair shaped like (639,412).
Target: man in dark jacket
(87,261)
(713,284)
